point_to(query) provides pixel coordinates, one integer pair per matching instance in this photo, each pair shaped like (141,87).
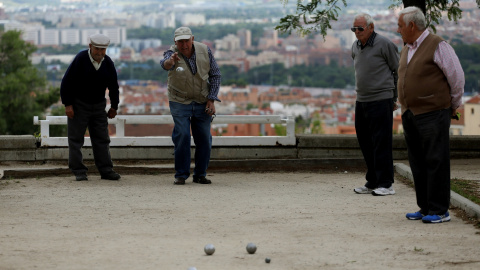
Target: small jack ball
(267,260)
(209,249)
(251,248)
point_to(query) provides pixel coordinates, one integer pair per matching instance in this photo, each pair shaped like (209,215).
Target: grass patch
(418,249)
(467,188)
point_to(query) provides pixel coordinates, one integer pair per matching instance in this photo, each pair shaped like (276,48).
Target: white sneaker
(363,190)
(383,191)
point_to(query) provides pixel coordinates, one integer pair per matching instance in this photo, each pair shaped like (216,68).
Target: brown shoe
(201,180)
(179,181)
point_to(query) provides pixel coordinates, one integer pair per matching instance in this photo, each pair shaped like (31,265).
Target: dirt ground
(299,220)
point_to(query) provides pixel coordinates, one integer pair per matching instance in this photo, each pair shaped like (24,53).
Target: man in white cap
(83,91)
(193,85)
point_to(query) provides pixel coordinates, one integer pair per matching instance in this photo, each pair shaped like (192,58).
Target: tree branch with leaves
(316,15)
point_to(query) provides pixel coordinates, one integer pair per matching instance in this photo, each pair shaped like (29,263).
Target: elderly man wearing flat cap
(83,91)
(193,85)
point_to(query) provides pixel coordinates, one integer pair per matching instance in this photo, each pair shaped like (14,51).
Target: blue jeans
(428,143)
(186,116)
(373,125)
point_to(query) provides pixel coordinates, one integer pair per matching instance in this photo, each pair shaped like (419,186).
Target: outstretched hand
(172,60)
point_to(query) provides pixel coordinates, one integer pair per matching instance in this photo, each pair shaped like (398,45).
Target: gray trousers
(95,118)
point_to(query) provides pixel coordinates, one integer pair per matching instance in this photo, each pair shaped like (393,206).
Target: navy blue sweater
(83,82)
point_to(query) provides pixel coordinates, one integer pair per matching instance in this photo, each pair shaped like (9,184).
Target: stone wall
(25,148)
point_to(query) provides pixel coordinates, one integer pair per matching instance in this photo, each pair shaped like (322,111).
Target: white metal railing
(121,140)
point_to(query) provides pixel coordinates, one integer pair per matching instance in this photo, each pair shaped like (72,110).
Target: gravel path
(299,220)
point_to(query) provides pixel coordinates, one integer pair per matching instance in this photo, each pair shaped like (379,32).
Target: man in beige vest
(430,88)
(193,85)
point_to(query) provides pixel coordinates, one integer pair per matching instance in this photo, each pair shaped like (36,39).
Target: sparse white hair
(366,16)
(415,15)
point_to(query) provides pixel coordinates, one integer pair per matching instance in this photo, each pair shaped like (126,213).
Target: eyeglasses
(360,28)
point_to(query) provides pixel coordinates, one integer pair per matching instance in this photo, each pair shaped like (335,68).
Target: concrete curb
(457,200)
(250,165)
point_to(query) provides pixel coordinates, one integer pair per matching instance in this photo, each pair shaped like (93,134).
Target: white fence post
(45,128)
(120,127)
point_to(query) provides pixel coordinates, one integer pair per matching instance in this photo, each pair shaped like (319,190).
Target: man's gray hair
(415,15)
(366,16)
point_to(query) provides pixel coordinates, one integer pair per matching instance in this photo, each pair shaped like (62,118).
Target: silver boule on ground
(251,248)
(209,249)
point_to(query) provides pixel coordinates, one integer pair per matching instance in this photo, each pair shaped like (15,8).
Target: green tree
(316,124)
(469,56)
(301,124)
(280,130)
(23,92)
(316,15)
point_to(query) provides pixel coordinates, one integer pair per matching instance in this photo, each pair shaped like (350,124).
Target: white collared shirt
(96,65)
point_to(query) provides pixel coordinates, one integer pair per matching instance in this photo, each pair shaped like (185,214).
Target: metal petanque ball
(179,69)
(267,260)
(251,248)
(192,268)
(209,249)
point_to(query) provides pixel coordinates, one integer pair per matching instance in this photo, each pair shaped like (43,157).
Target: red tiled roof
(474,100)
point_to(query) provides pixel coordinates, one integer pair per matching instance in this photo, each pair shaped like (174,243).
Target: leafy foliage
(309,18)
(204,32)
(22,89)
(434,9)
(469,56)
(300,75)
(316,15)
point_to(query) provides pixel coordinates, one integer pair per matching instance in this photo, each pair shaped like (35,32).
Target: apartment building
(471,115)
(37,34)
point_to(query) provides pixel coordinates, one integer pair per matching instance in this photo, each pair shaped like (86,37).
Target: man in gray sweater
(376,63)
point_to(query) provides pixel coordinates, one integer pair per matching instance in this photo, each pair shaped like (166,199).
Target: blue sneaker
(415,216)
(436,218)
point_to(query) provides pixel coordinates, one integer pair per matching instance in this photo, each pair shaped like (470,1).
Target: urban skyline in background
(69,22)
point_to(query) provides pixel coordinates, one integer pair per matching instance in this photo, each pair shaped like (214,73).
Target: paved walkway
(309,220)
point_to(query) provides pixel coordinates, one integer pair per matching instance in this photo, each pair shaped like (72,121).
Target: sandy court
(299,220)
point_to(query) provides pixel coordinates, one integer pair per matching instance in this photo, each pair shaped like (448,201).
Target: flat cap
(99,40)
(183,33)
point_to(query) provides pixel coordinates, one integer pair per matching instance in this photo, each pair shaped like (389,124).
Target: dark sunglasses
(360,28)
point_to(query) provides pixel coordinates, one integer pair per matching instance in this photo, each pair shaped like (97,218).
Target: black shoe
(81,177)
(179,181)
(201,180)
(110,175)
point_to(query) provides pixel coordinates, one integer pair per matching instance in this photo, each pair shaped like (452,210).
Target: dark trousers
(95,118)
(373,125)
(428,143)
